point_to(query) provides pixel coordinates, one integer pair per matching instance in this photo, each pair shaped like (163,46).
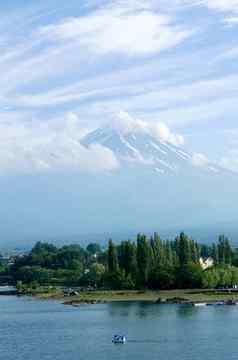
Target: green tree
(228,252)
(169,256)
(194,251)
(95,275)
(224,250)
(113,265)
(234,276)
(210,279)
(225,276)
(143,259)
(189,276)
(70,257)
(205,251)
(28,274)
(93,248)
(157,251)
(184,249)
(215,254)
(130,264)
(162,278)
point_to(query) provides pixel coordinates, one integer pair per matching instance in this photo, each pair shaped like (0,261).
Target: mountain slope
(160,184)
(142,148)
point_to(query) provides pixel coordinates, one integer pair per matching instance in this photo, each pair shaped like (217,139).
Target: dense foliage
(147,263)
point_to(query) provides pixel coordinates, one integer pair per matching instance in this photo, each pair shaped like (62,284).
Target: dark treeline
(147,263)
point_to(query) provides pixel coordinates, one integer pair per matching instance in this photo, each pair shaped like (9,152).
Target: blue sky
(70,68)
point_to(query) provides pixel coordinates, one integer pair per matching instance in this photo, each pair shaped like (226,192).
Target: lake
(47,330)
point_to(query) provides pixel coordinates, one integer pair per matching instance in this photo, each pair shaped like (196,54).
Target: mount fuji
(153,185)
(158,183)
(145,149)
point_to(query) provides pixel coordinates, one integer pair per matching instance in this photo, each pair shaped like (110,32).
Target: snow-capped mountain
(158,182)
(143,148)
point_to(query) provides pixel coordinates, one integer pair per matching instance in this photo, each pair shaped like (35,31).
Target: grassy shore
(150,296)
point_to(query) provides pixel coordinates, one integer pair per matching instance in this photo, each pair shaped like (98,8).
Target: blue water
(47,330)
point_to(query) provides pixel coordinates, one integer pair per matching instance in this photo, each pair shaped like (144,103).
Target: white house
(206,263)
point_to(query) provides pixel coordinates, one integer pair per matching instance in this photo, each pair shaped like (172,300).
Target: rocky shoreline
(174,300)
(84,302)
(183,301)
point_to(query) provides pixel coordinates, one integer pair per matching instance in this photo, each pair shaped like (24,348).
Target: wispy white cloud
(58,50)
(147,95)
(199,160)
(231,21)
(222,5)
(178,105)
(53,146)
(229,54)
(131,30)
(125,123)
(210,113)
(217,5)
(230,160)
(198,91)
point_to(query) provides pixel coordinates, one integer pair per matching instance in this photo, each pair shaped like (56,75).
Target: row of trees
(147,263)
(221,252)
(154,263)
(69,264)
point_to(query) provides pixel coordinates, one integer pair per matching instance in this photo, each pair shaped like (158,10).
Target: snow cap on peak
(126,124)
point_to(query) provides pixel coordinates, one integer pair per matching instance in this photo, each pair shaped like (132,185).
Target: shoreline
(187,296)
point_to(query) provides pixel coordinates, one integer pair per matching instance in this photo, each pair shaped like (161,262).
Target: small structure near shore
(7,291)
(70,292)
(174,300)
(206,263)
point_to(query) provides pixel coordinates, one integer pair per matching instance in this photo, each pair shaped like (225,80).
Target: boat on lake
(119,339)
(216,303)
(231,302)
(200,304)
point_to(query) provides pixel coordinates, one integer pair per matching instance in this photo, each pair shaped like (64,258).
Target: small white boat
(119,339)
(216,303)
(199,304)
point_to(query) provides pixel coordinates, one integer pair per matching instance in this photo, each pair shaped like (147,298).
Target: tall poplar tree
(157,251)
(143,259)
(184,249)
(113,265)
(215,254)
